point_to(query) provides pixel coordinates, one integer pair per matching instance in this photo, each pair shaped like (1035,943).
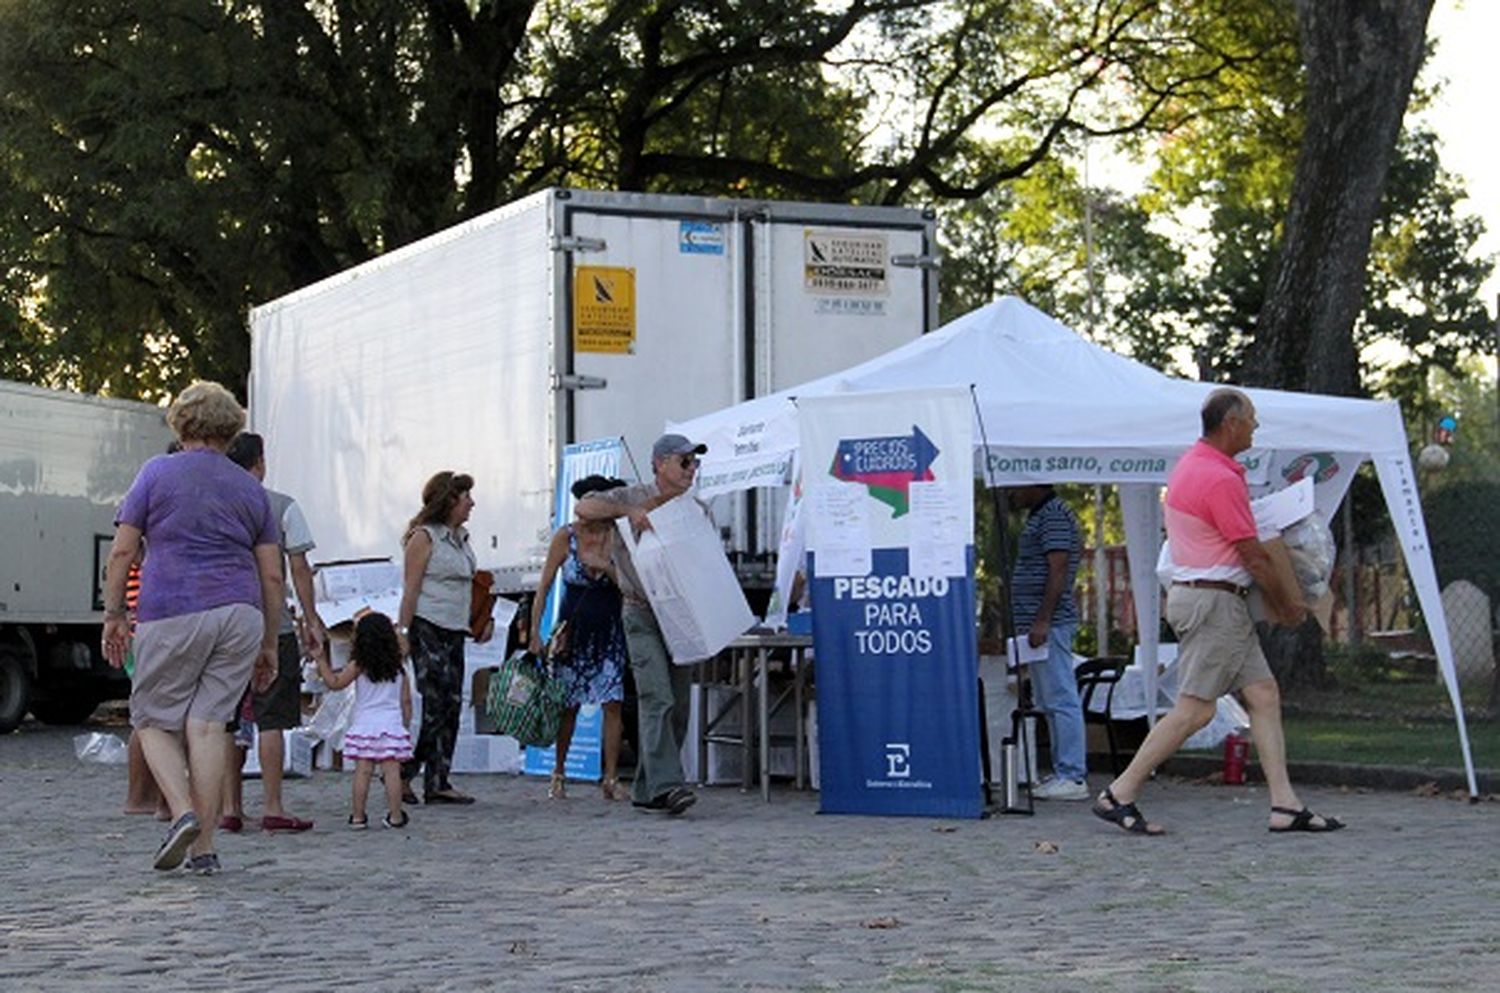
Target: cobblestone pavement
(521,893)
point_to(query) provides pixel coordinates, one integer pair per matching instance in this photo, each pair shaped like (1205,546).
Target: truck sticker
(840,307)
(102,545)
(845,263)
(604,309)
(700,238)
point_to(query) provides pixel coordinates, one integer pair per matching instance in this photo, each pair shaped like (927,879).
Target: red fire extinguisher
(1236,753)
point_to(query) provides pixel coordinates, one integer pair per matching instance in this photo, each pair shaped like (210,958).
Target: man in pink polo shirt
(1216,555)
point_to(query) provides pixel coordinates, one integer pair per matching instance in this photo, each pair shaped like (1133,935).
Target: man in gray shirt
(661,687)
(279,707)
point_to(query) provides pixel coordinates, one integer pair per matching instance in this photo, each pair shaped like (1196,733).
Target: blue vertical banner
(889,509)
(587,458)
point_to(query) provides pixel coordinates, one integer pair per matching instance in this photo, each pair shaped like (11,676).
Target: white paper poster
(840,529)
(937,532)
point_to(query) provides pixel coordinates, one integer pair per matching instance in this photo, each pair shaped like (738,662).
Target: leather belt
(1213,584)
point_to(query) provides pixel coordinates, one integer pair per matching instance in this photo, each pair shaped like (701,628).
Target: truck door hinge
(931,262)
(577,243)
(572,381)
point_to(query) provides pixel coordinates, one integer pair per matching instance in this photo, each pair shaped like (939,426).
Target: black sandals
(1126,815)
(1302,820)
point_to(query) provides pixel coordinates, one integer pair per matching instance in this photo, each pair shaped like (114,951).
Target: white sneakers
(1053,788)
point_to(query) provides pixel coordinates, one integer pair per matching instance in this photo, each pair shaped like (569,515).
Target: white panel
(433,357)
(818,329)
(66,461)
(809,331)
(687,348)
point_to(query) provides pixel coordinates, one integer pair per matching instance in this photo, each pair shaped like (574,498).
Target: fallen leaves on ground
(880,923)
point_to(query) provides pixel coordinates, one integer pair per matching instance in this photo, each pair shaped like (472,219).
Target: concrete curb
(1377,777)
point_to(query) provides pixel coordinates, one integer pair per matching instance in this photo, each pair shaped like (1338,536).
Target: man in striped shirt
(1041,600)
(1216,554)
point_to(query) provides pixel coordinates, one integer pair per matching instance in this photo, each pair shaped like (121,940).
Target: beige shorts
(1219,652)
(194,666)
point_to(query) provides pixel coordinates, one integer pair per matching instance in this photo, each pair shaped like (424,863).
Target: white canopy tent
(1053,407)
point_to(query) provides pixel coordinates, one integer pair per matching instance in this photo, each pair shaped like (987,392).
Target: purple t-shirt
(202,516)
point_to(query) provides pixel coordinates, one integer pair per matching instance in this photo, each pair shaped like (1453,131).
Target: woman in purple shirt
(201,630)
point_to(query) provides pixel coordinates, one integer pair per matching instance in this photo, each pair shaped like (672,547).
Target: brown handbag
(481,602)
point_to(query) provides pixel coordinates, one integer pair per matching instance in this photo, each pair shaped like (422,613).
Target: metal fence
(1369,664)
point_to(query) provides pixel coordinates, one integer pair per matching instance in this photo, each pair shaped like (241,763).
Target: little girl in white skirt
(382,710)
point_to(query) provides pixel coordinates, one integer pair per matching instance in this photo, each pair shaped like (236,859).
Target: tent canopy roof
(1040,385)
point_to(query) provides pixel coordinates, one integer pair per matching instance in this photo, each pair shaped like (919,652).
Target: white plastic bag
(105,749)
(1310,546)
(1164,565)
(334,714)
(1228,716)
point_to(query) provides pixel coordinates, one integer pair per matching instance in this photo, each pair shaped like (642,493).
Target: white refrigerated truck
(66,461)
(567,316)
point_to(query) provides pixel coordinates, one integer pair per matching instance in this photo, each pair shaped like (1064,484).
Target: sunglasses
(688,461)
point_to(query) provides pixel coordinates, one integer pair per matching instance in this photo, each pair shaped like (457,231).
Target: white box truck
(66,461)
(567,316)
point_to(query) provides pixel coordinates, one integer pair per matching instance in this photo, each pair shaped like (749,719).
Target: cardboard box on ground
(477,747)
(724,759)
(298,754)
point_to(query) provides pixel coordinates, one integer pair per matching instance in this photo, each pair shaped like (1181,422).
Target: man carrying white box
(661,688)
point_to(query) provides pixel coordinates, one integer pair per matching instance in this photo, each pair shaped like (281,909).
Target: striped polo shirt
(1050,527)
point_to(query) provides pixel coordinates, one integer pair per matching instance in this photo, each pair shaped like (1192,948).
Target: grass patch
(1376,712)
(1389,741)
(1380,709)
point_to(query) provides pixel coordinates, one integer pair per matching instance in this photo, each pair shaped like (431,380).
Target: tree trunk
(1361,57)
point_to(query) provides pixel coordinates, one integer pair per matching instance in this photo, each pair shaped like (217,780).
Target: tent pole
(1398,483)
(1351,572)
(1019,737)
(1101,578)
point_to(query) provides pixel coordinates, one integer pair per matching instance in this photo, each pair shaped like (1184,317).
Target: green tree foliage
(1228,173)
(1035,238)
(167,165)
(1423,302)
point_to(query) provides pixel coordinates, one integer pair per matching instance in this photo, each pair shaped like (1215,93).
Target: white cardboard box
(298,755)
(486,753)
(692,588)
(350,580)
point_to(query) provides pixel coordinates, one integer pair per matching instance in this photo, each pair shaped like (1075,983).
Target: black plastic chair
(1095,675)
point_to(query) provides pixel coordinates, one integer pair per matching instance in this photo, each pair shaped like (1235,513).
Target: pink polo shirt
(1207,510)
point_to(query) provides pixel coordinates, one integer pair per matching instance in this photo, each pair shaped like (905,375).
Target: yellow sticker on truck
(604,309)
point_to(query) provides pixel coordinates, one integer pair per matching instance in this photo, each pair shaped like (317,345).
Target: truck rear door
(654,314)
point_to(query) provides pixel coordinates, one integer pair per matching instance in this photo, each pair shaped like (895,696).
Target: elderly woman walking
(438,581)
(207,617)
